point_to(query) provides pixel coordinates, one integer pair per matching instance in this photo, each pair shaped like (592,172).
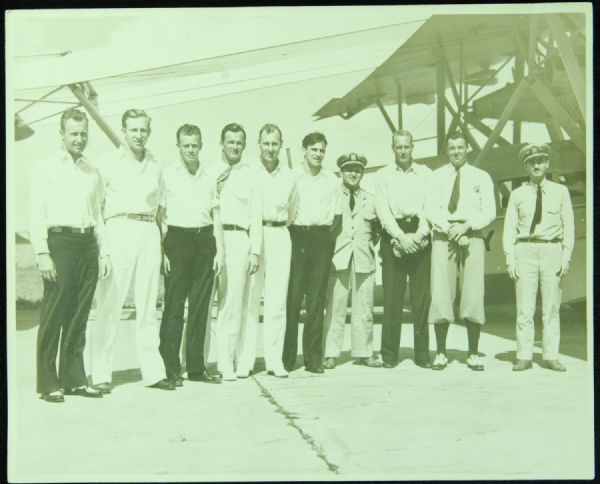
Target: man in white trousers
(238,204)
(134,190)
(276,184)
(353,269)
(539,235)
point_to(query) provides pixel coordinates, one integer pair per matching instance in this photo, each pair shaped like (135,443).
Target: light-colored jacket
(355,238)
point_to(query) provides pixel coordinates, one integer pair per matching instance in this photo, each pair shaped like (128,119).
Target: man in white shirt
(353,269)
(192,250)
(238,204)
(66,234)
(276,183)
(539,234)
(316,202)
(134,190)
(460,203)
(400,189)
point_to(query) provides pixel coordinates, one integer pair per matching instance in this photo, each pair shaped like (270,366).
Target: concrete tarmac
(352,422)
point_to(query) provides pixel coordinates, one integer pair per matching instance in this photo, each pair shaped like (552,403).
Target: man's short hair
(132,114)
(402,132)
(189,130)
(234,128)
(270,128)
(74,114)
(457,135)
(313,138)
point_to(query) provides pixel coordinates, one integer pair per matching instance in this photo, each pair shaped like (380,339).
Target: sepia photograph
(299,243)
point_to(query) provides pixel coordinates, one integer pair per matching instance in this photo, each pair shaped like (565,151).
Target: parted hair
(402,132)
(74,114)
(313,138)
(234,128)
(134,113)
(189,130)
(456,135)
(270,128)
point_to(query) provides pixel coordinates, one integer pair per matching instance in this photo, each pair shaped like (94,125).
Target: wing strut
(77,91)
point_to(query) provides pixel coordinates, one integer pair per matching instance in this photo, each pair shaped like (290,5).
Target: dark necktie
(537,216)
(221,179)
(453,203)
(352,200)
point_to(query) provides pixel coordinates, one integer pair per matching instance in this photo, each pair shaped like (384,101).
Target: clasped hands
(409,243)
(457,232)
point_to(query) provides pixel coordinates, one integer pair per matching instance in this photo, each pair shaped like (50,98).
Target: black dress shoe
(84,392)
(314,369)
(423,364)
(387,364)
(177,380)
(53,398)
(163,384)
(205,377)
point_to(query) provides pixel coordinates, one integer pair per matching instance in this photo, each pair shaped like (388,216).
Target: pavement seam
(291,422)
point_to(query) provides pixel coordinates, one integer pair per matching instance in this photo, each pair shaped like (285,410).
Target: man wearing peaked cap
(538,241)
(353,267)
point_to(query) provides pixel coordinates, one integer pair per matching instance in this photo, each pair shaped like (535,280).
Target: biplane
(450,61)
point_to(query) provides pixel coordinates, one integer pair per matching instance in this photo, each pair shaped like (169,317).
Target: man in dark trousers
(405,250)
(316,202)
(192,250)
(66,234)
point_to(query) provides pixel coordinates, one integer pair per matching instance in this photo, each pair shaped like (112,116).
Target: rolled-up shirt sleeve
(384,213)
(255,225)
(568,225)
(38,229)
(434,213)
(487,214)
(509,236)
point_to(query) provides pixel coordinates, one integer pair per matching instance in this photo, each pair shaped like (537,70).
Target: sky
(122,40)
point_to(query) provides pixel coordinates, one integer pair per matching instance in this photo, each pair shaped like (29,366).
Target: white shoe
(229,376)
(440,362)
(280,373)
(474,363)
(242,373)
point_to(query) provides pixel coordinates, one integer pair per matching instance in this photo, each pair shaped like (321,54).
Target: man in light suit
(354,267)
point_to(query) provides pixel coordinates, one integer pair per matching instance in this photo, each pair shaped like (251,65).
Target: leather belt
(311,228)
(271,223)
(234,227)
(206,230)
(536,240)
(408,219)
(140,217)
(71,230)
(408,224)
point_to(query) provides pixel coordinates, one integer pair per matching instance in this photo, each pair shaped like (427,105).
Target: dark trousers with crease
(64,311)
(312,252)
(395,272)
(191,256)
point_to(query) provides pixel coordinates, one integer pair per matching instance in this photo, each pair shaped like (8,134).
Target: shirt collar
(410,169)
(67,158)
(542,184)
(276,170)
(148,156)
(181,165)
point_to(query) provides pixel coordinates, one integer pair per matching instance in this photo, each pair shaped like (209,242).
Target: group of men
(292,236)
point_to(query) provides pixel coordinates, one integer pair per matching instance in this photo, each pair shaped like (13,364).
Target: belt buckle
(305,228)
(408,219)
(268,223)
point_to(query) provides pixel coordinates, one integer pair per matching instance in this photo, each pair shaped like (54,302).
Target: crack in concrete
(290,417)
